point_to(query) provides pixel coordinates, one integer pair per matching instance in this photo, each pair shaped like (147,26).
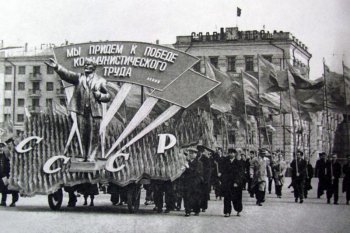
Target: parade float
(134,145)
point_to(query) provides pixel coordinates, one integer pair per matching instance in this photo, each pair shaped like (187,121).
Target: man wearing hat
(320,172)
(193,183)
(89,94)
(260,167)
(333,173)
(204,157)
(227,180)
(4,175)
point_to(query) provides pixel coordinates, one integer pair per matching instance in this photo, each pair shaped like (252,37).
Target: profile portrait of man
(89,94)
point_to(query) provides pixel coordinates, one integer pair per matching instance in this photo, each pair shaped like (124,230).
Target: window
(21,70)
(36,102)
(231,64)
(49,86)
(214,61)
(267,57)
(8,86)
(36,86)
(21,86)
(7,102)
(49,103)
(36,70)
(249,63)
(49,70)
(20,102)
(20,117)
(8,69)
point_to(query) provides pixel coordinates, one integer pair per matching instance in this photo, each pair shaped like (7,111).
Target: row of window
(20,117)
(231,62)
(35,102)
(22,70)
(22,86)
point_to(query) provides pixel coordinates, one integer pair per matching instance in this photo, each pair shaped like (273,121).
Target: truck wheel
(55,200)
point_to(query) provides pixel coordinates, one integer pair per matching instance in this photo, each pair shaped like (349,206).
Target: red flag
(300,82)
(347,83)
(250,84)
(220,98)
(271,79)
(239,11)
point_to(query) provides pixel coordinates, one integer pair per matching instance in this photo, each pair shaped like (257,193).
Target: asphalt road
(33,215)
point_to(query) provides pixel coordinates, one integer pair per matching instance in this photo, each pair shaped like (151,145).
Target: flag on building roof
(239,11)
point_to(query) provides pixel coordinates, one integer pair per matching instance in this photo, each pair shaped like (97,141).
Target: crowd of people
(226,174)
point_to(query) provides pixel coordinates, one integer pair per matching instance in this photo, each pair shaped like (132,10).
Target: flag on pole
(239,11)
(347,83)
(271,78)
(220,98)
(300,82)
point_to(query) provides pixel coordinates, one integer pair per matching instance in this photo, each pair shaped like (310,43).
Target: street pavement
(33,215)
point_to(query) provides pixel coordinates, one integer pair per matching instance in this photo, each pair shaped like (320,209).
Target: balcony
(34,93)
(35,77)
(34,109)
(60,92)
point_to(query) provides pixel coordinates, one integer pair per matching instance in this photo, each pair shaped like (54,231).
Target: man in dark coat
(193,182)
(309,175)
(89,94)
(163,191)
(320,172)
(346,181)
(215,180)
(333,173)
(4,175)
(207,170)
(227,180)
(239,177)
(298,166)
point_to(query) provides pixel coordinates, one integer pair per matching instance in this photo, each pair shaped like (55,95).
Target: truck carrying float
(136,145)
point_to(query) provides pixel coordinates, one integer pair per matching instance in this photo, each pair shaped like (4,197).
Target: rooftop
(232,34)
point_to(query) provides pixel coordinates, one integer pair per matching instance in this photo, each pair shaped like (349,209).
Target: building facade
(233,51)
(27,87)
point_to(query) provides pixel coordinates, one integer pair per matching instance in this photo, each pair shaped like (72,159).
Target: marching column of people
(227,174)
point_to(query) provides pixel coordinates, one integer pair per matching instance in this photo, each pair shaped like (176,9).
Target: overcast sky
(324,26)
